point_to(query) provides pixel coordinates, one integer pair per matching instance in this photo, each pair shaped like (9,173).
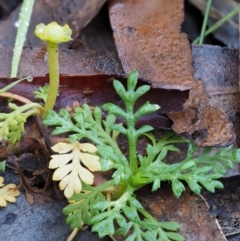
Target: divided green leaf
(114,209)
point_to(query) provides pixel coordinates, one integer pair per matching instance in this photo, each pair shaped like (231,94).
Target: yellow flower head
(53,32)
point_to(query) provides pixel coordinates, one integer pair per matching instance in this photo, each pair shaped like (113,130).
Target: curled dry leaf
(69,170)
(7,193)
(208,125)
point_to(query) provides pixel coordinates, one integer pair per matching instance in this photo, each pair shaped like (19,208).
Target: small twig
(224,92)
(231,234)
(16,97)
(43,132)
(73,234)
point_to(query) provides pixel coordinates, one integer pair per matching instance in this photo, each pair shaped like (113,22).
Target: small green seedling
(53,34)
(111,207)
(12,124)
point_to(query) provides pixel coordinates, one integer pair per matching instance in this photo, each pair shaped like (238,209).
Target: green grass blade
(219,23)
(205,21)
(24,19)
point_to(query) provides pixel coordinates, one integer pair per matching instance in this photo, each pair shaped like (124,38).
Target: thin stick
(16,97)
(73,234)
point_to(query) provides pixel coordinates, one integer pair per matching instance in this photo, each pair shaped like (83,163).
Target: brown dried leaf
(31,192)
(217,67)
(39,194)
(148,38)
(34,62)
(209,126)
(203,115)
(29,197)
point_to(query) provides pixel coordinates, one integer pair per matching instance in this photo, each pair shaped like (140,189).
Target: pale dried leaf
(86,175)
(61,172)
(92,162)
(1,181)
(59,160)
(62,147)
(87,147)
(69,170)
(7,193)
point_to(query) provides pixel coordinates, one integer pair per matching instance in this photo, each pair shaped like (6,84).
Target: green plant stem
(34,108)
(31,108)
(132,140)
(218,24)
(53,66)
(146,214)
(106,185)
(205,21)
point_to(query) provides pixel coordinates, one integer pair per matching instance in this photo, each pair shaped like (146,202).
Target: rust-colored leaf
(148,38)
(209,126)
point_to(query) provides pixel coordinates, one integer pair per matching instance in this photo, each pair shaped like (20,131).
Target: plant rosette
(111,207)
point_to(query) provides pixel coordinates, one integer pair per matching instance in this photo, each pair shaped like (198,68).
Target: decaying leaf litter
(227,56)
